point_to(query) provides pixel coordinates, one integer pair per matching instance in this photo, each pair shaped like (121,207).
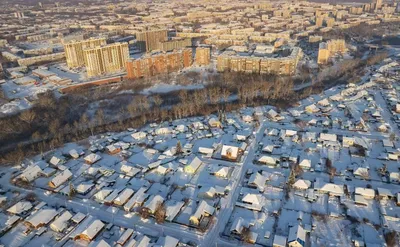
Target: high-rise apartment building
(203,56)
(74,50)
(151,40)
(106,59)
(378,4)
(323,53)
(326,50)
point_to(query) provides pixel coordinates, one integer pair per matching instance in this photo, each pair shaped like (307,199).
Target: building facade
(203,56)
(106,59)
(151,40)
(330,48)
(74,50)
(229,61)
(158,64)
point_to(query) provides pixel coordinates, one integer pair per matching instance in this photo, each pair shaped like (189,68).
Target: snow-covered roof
(330,188)
(279,241)
(41,217)
(31,172)
(258,180)
(102,194)
(92,158)
(305,163)
(61,222)
(328,137)
(365,192)
(250,198)
(203,207)
(93,229)
(153,202)
(230,151)
(61,178)
(302,184)
(124,196)
(20,207)
(297,233)
(167,241)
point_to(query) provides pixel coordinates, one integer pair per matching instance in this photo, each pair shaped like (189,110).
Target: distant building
(230,61)
(151,40)
(203,56)
(330,48)
(74,50)
(106,59)
(175,44)
(162,63)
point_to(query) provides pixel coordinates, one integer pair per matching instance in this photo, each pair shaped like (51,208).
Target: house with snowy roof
(60,179)
(193,166)
(203,210)
(297,236)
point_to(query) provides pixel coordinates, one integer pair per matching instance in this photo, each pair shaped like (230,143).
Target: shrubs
(391,239)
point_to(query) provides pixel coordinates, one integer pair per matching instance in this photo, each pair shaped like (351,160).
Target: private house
(251,201)
(153,202)
(305,164)
(31,173)
(163,131)
(125,237)
(214,123)
(41,218)
(60,179)
(279,241)
(123,197)
(203,210)
(329,188)
(56,161)
(312,109)
(92,158)
(394,177)
(297,236)
(113,149)
(361,172)
(102,194)
(137,199)
(20,208)
(220,171)
(193,166)
(230,153)
(84,188)
(364,192)
(268,160)
(302,184)
(139,135)
(61,223)
(257,181)
(91,231)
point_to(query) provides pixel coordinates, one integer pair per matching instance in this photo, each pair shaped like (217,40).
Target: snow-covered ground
(233,173)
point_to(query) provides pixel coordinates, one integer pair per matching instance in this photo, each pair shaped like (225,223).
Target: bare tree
(28,117)
(160,213)
(157,100)
(391,239)
(245,235)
